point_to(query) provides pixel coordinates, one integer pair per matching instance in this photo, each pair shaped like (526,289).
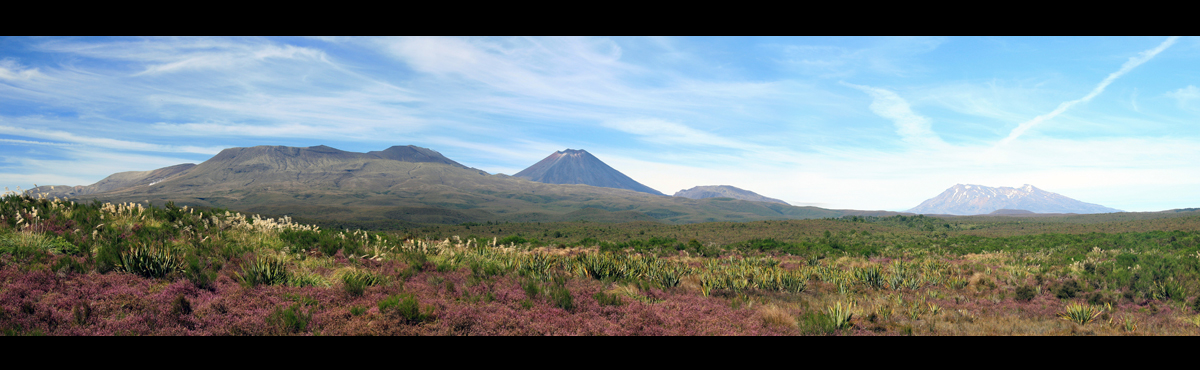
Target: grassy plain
(114,269)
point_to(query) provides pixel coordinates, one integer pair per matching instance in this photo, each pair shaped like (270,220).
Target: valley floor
(127,269)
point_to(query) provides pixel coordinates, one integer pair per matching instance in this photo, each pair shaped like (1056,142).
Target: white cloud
(913,128)
(10,70)
(661,131)
(1129,65)
(107,142)
(1185,96)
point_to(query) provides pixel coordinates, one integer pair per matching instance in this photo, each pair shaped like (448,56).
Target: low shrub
(1067,290)
(263,271)
(355,282)
(290,320)
(1026,293)
(817,323)
(605,299)
(404,307)
(149,262)
(562,298)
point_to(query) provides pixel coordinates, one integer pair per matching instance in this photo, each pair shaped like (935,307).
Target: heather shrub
(263,271)
(1025,293)
(289,320)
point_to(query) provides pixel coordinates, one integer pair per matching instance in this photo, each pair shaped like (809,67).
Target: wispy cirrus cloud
(1129,65)
(912,127)
(107,142)
(1185,96)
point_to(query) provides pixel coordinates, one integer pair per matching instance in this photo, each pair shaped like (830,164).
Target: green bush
(67,264)
(1026,293)
(1067,290)
(149,262)
(181,306)
(817,323)
(605,299)
(263,271)
(532,289)
(290,320)
(355,282)
(197,271)
(562,298)
(405,308)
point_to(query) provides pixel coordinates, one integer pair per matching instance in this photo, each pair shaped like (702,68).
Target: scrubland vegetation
(132,269)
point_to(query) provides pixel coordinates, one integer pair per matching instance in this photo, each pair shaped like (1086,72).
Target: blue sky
(857,123)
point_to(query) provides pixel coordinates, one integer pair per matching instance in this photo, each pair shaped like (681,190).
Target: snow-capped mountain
(977,199)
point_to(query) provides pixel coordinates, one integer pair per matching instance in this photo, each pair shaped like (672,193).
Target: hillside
(977,200)
(580,167)
(724,191)
(324,183)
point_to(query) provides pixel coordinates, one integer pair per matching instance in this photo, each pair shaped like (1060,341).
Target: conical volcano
(580,167)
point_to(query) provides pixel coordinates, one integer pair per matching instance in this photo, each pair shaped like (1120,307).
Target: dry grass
(772,314)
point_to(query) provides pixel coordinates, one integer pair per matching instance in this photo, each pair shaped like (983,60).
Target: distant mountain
(724,191)
(976,199)
(116,181)
(580,167)
(1009,212)
(407,186)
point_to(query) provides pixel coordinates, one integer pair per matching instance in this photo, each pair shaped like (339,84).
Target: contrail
(1129,65)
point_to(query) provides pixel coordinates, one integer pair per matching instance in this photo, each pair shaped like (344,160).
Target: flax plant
(1079,313)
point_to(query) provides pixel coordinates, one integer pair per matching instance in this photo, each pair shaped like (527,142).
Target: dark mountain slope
(326,183)
(580,167)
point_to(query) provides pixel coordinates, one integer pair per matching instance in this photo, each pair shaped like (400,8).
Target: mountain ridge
(321,182)
(972,199)
(724,191)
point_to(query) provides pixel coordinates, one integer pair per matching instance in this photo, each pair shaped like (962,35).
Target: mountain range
(413,185)
(724,191)
(963,199)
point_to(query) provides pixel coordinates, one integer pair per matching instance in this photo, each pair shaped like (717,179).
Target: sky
(841,123)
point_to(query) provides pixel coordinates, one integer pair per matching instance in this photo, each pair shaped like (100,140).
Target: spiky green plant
(1128,324)
(356,281)
(841,315)
(263,271)
(884,312)
(934,309)
(149,262)
(1079,313)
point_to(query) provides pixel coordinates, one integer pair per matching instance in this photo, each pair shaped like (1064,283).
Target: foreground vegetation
(118,269)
